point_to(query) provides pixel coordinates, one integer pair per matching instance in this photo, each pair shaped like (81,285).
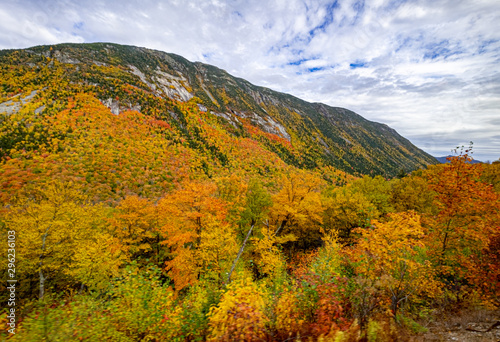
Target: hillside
(158,84)
(147,198)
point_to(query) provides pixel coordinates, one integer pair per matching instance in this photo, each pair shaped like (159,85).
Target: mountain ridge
(319,134)
(445,160)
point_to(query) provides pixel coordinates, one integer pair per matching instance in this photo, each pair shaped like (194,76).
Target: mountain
(201,104)
(444,160)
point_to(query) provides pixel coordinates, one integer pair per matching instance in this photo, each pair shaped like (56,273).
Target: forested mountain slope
(158,84)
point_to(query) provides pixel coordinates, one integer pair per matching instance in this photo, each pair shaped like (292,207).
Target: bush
(240,314)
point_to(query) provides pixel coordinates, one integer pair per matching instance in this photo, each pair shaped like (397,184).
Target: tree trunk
(40,264)
(239,254)
(42,284)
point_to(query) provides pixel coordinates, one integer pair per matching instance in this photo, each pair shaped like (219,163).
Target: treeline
(241,258)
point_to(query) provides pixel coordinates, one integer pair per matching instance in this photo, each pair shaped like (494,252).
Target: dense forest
(167,223)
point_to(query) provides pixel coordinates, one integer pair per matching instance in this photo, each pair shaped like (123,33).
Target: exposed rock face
(116,107)
(113,105)
(139,73)
(12,106)
(173,86)
(61,56)
(65,58)
(265,122)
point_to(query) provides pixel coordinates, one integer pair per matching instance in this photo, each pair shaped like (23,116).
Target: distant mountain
(155,83)
(444,160)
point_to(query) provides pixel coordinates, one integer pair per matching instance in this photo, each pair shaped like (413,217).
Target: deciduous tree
(466,219)
(394,253)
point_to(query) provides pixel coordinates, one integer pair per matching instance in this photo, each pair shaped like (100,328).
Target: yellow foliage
(98,261)
(328,262)
(268,256)
(240,314)
(133,223)
(197,233)
(393,254)
(345,210)
(288,316)
(63,237)
(217,248)
(297,207)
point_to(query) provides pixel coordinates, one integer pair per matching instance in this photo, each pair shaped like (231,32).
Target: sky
(428,68)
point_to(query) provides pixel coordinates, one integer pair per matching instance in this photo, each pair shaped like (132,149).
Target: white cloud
(429,69)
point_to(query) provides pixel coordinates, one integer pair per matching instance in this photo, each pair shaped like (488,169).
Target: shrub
(240,314)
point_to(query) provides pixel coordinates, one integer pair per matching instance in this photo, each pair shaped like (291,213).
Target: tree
(377,190)
(56,225)
(217,249)
(195,230)
(135,225)
(297,208)
(393,254)
(491,175)
(346,210)
(257,204)
(467,216)
(412,193)
(240,315)
(267,254)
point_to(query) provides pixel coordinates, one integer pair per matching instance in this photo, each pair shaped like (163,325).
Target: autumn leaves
(308,257)
(154,228)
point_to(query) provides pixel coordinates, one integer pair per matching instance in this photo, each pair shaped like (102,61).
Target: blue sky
(428,68)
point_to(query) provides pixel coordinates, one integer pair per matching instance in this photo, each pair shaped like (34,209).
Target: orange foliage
(189,215)
(466,219)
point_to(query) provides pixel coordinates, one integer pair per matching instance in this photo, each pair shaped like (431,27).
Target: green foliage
(410,324)
(257,205)
(381,331)
(347,209)
(196,307)
(376,190)
(412,193)
(328,262)
(70,319)
(143,308)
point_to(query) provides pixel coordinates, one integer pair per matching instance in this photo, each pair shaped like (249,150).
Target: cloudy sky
(428,68)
